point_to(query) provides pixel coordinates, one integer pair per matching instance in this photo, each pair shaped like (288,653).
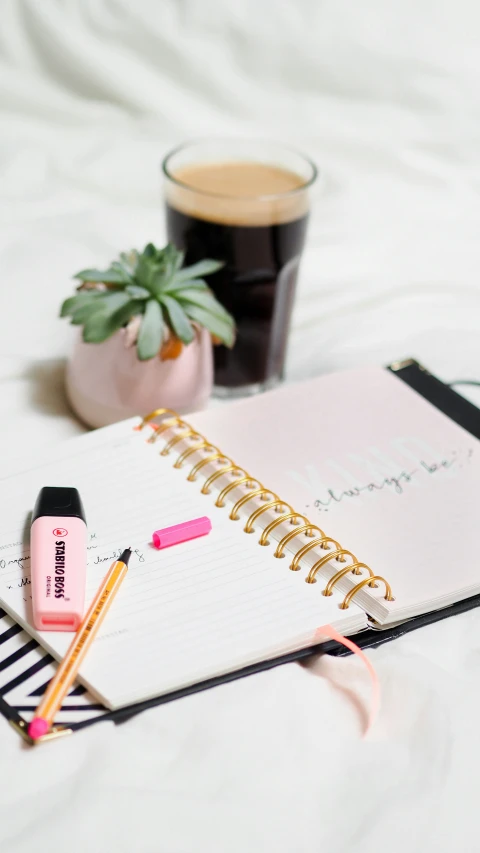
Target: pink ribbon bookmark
(329,631)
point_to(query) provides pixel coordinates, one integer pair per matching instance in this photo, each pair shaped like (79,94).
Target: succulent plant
(155,296)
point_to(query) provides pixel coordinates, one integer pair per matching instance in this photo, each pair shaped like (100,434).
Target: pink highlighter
(58,555)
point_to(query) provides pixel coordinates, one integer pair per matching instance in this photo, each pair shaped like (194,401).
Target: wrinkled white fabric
(384,96)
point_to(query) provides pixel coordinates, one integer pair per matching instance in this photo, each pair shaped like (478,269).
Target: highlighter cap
(58,502)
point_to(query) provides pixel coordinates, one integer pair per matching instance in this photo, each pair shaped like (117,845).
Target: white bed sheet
(384,96)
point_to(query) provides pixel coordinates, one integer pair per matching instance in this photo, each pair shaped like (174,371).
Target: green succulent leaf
(151,331)
(125,313)
(114,300)
(172,259)
(97,329)
(109,276)
(205,267)
(77,301)
(174,287)
(119,266)
(106,319)
(144,273)
(129,260)
(178,260)
(178,320)
(167,267)
(204,299)
(218,326)
(80,314)
(137,292)
(159,283)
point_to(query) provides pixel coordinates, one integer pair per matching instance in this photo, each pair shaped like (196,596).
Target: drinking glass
(245,203)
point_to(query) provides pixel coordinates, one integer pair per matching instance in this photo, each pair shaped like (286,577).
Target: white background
(385,97)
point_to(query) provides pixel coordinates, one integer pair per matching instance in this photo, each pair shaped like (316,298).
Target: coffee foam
(248,194)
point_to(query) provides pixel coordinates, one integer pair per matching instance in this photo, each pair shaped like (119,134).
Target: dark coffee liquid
(257,285)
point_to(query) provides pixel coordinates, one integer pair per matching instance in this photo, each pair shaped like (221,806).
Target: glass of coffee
(246,204)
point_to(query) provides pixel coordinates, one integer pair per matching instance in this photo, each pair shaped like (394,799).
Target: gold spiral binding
(270,500)
(190,433)
(167,424)
(196,468)
(322,542)
(338,555)
(231,468)
(354,568)
(157,413)
(276,504)
(233,485)
(388,590)
(204,444)
(290,516)
(261,493)
(304,528)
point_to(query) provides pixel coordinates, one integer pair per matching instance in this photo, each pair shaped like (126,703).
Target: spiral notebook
(378,480)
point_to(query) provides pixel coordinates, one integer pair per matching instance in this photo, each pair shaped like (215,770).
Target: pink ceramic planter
(106,382)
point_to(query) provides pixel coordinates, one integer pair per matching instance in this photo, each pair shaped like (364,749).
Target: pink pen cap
(183,532)
(58,555)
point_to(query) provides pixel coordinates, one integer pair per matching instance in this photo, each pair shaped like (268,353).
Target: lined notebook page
(183,614)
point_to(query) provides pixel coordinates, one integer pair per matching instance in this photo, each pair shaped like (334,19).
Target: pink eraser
(37,728)
(182,532)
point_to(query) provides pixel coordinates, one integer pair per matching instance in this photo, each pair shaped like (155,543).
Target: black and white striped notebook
(25,670)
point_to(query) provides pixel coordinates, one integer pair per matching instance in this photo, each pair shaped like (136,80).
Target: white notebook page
(183,614)
(378,468)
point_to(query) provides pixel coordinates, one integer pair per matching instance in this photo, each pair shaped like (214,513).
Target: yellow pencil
(68,669)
